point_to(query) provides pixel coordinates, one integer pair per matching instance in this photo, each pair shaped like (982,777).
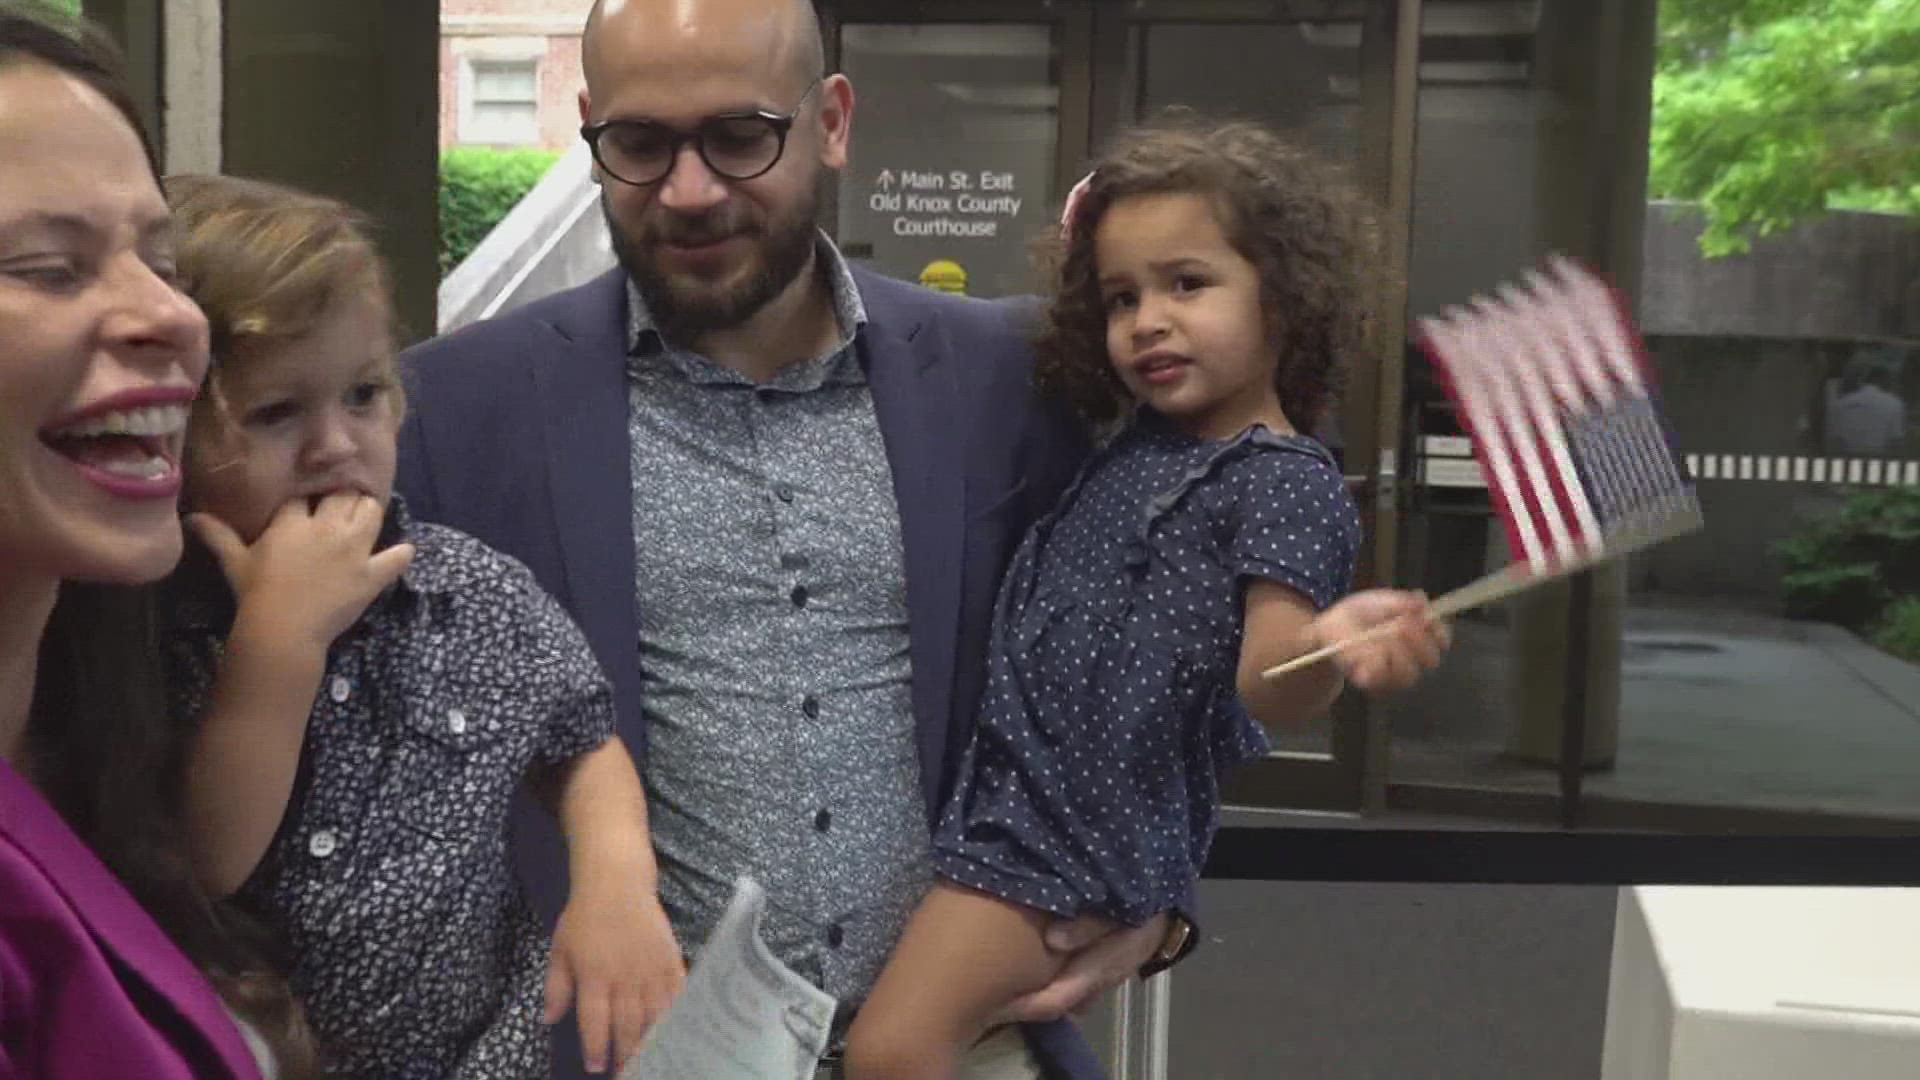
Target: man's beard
(683,307)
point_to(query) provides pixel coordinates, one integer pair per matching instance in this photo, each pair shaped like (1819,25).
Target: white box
(1764,983)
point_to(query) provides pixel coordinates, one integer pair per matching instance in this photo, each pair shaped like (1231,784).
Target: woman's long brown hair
(100,745)
(103,749)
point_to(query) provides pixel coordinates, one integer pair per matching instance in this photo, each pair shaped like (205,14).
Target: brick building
(510,72)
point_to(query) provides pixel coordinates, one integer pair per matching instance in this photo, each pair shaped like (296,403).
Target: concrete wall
(1749,396)
(1842,275)
(1746,347)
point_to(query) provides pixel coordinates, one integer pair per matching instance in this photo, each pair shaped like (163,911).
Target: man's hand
(311,572)
(1099,956)
(616,963)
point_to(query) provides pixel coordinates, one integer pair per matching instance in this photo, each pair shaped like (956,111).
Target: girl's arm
(602,810)
(1280,624)
(1277,625)
(614,961)
(1296,537)
(614,956)
(298,586)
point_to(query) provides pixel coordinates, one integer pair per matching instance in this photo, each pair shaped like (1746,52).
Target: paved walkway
(1718,707)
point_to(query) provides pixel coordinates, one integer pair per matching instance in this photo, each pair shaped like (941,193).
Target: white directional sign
(959,204)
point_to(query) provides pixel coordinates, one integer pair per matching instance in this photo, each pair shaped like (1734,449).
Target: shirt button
(835,936)
(339,688)
(821,820)
(322,844)
(810,707)
(798,596)
(783,492)
(457,722)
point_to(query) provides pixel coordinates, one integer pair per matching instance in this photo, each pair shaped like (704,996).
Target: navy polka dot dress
(1091,786)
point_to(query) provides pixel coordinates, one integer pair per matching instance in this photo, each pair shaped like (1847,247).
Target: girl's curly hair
(1298,220)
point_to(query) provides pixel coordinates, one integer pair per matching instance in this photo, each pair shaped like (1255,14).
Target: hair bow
(1074,198)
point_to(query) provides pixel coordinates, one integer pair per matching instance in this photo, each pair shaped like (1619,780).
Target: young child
(1209,288)
(369,691)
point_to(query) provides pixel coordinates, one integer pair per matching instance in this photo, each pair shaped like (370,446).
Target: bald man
(777,492)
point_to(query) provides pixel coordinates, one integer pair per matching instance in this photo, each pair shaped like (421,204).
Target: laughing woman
(100,356)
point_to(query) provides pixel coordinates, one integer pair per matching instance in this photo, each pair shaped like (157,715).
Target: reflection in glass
(1864,414)
(1302,79)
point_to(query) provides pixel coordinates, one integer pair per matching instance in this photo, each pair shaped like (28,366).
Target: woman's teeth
(152,421)
(151,468)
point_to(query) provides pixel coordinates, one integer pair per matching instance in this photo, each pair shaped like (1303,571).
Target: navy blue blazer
(517,432)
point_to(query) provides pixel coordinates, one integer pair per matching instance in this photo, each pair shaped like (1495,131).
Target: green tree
(1769,111)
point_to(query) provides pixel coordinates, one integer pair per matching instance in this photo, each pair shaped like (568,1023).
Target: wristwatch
(1178,944)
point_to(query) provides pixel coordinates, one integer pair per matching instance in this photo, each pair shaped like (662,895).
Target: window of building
(502,101)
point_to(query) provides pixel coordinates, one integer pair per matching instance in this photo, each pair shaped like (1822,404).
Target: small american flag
(1553,385)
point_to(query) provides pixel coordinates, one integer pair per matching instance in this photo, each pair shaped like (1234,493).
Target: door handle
(1382,486)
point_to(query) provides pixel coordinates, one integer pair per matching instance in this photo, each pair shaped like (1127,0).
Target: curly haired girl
(1210,284)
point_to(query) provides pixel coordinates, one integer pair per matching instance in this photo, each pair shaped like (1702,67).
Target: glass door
(1338,77)
(974,112)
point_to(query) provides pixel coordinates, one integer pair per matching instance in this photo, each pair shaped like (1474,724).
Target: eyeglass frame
(781,124)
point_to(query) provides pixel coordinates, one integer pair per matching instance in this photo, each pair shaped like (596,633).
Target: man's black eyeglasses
(737,146)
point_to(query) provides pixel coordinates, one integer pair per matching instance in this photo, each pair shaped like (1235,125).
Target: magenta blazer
(90,987)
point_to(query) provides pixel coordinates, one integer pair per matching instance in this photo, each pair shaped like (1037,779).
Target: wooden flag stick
(1511,581)
(1495,586)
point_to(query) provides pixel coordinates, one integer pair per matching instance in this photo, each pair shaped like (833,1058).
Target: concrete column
(193,79)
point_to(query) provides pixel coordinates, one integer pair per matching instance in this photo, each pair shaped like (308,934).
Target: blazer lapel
(911,375)
(118,923)
(583,405)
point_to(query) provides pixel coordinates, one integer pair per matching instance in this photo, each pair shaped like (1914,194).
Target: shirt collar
(428,574)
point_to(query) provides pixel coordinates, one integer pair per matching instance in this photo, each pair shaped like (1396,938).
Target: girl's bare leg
(963,957)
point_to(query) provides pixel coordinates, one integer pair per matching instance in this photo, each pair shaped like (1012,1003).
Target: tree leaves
(1770,111)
